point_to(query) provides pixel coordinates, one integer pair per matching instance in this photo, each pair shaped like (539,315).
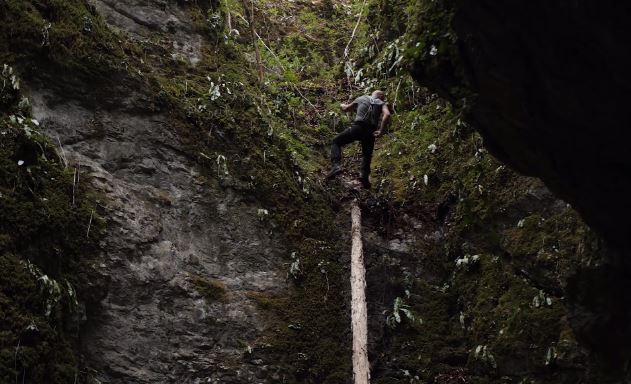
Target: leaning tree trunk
(359,316)
(249,13)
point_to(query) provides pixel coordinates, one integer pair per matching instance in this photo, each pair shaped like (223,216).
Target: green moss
(515,320)
(421,31)
(269,141)
(211,290)
(45,250)
(37,201)
(306,343)
(66,34)
(526,239)
(32,345)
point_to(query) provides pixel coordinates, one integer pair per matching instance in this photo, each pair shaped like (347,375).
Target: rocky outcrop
(547,86)
(182,254)
(142,20)
(171,234)
(551,89)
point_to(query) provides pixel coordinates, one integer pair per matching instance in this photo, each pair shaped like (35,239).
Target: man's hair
(378,94)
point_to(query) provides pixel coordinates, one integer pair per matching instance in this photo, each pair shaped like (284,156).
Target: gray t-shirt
(368,110)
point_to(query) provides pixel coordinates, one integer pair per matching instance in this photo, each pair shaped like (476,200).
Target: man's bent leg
(345,137)
(368,144)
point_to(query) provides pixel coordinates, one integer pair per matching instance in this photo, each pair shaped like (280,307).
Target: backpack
(376,106)
(373,112)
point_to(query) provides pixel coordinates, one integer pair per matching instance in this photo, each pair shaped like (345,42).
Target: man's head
(379,95)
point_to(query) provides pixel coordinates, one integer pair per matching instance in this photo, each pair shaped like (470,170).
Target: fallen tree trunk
(359,315)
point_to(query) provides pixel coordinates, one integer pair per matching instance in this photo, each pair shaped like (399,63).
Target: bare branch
(63,153)
(361,12)
(283,68)
(87,234)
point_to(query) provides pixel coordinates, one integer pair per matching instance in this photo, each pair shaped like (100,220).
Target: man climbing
(370,121)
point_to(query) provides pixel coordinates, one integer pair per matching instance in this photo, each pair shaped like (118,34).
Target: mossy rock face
(37,203)
(45,252)
(513,322)
(66,34)
(494,65)
(240,137)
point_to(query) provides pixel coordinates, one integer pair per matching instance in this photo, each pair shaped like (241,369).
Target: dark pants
(357,132)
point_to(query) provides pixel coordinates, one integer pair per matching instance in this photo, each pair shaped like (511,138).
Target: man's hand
(377,133)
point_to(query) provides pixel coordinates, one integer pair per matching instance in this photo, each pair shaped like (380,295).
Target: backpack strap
(376,106)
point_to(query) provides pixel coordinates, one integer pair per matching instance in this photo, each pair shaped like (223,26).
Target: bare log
(359,315)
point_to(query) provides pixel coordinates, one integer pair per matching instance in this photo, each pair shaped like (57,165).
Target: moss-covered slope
(485,277)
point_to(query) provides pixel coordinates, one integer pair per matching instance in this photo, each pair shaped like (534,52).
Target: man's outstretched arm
(348,107)
(385,118)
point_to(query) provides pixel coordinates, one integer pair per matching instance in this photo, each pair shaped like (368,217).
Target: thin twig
(284,70)
(74,184)
(43,152)
(243,18)
(413,96)
(89,224)
(361,12)
(350,84)
(396,96)
(206,156)
(270,51)
(303,96)
(63,153)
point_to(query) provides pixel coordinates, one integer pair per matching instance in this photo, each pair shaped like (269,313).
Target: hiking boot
(364,182)
(336,169)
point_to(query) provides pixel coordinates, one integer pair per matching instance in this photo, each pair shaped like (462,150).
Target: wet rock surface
(144,20)
(168,229)
(182,254)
